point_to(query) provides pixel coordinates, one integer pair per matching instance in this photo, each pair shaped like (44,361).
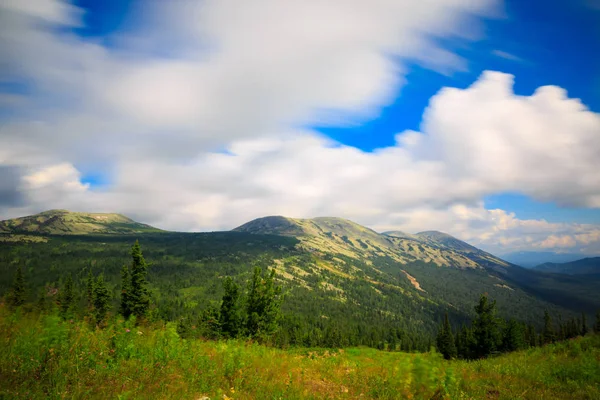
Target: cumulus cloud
(241,78)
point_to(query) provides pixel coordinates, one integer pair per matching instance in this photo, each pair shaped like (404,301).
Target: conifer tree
(230,315)
(66,297)
(548,334)
(89,290)
(486,328)
(101,300)
(513,336)
(125,304)
(445,340)
(264,301)
(140,299)
(41,302)
(584,327)
(392,343)
(16,297)
(531,336)
(597,324)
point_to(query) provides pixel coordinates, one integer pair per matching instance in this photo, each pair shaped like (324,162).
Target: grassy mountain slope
(590,265)
(440,269)
(63,222)
(340,236)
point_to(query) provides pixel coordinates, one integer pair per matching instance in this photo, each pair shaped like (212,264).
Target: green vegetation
(16,296)
(107,323)
(42,356)
(63,222)
(331,299)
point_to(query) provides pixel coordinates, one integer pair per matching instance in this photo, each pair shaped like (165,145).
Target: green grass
(44,357)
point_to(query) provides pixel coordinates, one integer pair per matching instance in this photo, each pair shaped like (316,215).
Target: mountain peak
(341,236)
(65,222)
(435,234)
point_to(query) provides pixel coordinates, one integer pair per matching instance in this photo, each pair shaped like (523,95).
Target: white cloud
(506,55)
(242,76)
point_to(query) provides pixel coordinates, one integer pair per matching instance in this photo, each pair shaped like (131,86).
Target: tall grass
(44,357)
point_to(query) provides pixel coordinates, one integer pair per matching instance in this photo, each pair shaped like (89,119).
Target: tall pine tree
(230,315)
(140,299)
(486,328)
(16,296)
(445,340)
(513,336)
(66,298)
(264,301)
(101,300)
(584,327)
(548,334)
(597,324)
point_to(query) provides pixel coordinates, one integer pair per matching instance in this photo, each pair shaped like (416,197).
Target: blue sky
(222,103)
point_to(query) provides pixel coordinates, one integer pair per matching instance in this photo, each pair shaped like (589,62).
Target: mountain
(338,276)
(63,222)
(590,265)
(529,259)
(350,250)
(340,236)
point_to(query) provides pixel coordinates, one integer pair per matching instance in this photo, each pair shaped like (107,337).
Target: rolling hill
(585,266)
(63,222)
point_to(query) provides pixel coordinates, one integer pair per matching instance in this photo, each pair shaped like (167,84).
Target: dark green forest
(189,276)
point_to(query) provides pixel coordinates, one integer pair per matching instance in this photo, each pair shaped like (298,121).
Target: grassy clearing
(43,357)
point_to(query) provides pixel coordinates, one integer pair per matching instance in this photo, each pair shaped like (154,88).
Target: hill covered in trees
(585,266)
(343,283)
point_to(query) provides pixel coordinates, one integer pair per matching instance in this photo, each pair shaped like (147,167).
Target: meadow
(42,356)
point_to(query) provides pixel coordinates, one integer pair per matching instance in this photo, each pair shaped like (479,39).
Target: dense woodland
(207,284)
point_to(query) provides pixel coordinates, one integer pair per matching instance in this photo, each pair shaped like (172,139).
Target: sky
(479,118)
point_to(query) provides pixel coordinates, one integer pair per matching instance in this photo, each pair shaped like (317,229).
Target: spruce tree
(89,290)
(101,300)
(230,315)
(513,336)
(66,297)
(41,302)
(125,304)
(548,334)
(584,327)
(597,324)
(486,328)
(531,336)
(264,301)
(140,299)
(445,340)
(16,297)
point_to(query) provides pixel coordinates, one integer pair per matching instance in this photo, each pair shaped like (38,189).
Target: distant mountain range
(530,259)
(585,266)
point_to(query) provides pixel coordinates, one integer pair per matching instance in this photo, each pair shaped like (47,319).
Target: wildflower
(139,333)
(232,390)
(127,330)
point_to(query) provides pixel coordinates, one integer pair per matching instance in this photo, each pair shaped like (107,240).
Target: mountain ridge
(332,234)
(584,266)
(65,222)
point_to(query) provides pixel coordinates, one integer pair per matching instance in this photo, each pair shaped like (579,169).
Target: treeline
(211,295)
(194,297)
(253,314)
(489,334)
